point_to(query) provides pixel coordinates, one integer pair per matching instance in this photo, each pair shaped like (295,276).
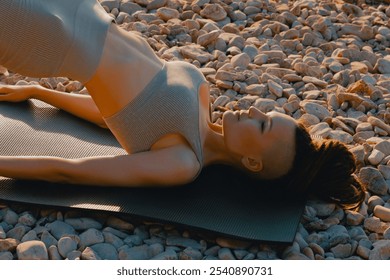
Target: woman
(158,111)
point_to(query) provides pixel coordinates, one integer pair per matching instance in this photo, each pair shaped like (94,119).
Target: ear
(254,165)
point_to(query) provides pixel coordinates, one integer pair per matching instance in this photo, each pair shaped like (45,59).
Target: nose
(256,113)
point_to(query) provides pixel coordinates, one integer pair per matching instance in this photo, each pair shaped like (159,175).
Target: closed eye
(262,126)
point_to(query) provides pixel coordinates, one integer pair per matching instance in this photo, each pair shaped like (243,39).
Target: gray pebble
(48,239)
(89,254)
(190,254)
(53,253)
(112,239)
(119,224)
(59,229)
(31,235)
(73,255)
(6,256)
(212,251)
(133,240)
(10,217)
(106,251)
(183,242)
(134,253)
(116,232)
(169,254)
(17,232)
(155,249)
(342,250)
(381,250)
(82,224)
(91,236)
(2,233)
(225,254)
(66,245)
(32,250)
(8,244)
(27,219)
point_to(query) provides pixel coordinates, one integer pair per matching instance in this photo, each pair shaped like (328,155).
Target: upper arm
(165,167)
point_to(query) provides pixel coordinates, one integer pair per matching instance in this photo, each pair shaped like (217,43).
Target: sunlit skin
(248,139)
(264,142)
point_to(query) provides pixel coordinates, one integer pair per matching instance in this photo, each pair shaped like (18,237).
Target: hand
(16,93)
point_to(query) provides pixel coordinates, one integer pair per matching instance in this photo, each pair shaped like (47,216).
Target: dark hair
(325,169)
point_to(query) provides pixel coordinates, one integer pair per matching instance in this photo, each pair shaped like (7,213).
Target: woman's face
(267,138)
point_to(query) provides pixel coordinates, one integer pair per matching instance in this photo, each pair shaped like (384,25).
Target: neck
(214,149)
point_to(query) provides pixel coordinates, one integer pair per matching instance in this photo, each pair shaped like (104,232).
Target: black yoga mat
(219,201)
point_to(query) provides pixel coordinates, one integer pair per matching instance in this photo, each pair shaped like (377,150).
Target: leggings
(51,38)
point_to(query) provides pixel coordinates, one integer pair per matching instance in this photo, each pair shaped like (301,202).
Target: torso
(123,89)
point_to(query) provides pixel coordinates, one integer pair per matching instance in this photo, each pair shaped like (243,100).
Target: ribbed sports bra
(51,38)
(168,104)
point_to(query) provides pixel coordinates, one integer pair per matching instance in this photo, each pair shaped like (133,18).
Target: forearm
(79,105)
(32,168)
(53,169)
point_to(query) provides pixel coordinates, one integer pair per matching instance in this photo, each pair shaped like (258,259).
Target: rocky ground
(324,62)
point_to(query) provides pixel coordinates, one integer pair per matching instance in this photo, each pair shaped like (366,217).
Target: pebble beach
(324,62)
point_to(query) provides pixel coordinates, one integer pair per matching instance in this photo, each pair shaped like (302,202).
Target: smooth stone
(2,233)
(31,235)
(323,209)
(275,88)
(373,180)
(17,232)
(53,253)
(119,224)
(115,232)
(81,224)
(241,60)
(256,89)
(155,249)
(89,254)
(232,243)
(59,229)
(317,110)
(134,253)
(381,250)
(382,213)
(214,12)
(91,236)
(386,234)
(183,242)
(383,65)
(8,244)
(106,251)
(384,147)
(48,239)
(169,254)
(73,255)
(190,254)
(166,13)
(208,38)
(354,218)
(27,219)
(374,224)
(113,239)
(225,254)
(6,256)
(66,245)
(32,250)
(373,201)
(10,217)
(342,250)
(338,234)
(341,136)
(376,157)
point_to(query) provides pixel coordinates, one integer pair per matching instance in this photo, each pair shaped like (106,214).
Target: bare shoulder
(183,162)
